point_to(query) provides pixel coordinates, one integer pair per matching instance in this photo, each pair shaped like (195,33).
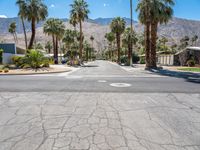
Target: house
(190,53)
(9,50)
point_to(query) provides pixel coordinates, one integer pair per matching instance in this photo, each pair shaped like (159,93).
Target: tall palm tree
(118,26)
(110,38)
(144,16)
(22,14)
(129,38)
(79,12)
(161,12)
(56,29)
(12,30)
(69,38)
(48,47)
(34,11)
(152,13)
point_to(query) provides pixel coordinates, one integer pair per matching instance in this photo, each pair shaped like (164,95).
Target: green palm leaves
(55,28)
(78,14)
(118,26)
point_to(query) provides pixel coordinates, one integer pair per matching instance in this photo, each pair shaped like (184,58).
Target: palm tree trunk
(118,46)
(154,28)
(16,37)
(147,45)
(24,29)
(33,34)
(56,51)
(81,41)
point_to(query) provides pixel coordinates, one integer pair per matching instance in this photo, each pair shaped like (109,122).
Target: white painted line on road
(120,85)
(102,81)
(73,77)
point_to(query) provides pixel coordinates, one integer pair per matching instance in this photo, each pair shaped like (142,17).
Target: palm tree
(48,46)
(34,11)
(22,14)
(56,29)
(110,38)
(12,30)
(69,38)
(118,26)
(161,12)
(129,38)
(79,12)
(131,48)
(144,17)
(151,13)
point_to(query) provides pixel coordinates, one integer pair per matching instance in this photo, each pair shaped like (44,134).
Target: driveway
(82,111)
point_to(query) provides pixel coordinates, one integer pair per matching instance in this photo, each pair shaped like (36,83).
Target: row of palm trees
(35,11)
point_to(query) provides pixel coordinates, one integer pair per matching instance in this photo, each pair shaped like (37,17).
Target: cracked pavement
(62,120)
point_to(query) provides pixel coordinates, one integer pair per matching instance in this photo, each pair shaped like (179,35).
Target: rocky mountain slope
(175,30)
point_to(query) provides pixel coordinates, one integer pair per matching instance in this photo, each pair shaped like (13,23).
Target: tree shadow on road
(88,66)
(188,76)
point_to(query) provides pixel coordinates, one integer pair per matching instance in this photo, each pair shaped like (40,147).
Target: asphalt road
(82,111)
(89,79)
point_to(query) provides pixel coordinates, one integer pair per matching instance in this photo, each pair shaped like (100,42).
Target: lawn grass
(190,69)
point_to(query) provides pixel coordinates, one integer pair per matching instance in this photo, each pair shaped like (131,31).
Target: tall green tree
(129,39)
(69,38)
(152,13)
(118,26)
(110,38)
(56,29)
(161,12)
(79,12)
(12,30)
(22,14)
(33,11)
(49,46)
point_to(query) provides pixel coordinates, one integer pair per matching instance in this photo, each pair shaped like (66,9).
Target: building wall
(7,58)
(166,60)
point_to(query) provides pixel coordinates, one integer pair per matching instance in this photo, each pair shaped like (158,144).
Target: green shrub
(1,56)
(46,63)
(142,60)
(191,63)
(19,61)
(124,60)
(34,58)
(135,58)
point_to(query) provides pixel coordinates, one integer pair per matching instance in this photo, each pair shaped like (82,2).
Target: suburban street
(100,106)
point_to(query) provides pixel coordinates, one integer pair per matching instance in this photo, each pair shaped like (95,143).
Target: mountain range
(175,29)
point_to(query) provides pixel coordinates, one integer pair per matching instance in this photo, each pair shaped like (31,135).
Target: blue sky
(189,9)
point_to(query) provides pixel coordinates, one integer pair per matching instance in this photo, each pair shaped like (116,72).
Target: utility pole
(131,8)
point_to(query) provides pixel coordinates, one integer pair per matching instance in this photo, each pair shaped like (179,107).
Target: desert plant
(18,61)
(34,58)
(135,58)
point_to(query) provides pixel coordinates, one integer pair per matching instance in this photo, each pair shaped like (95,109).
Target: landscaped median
(29,71)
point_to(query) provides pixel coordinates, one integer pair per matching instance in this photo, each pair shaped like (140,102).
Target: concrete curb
(40,73)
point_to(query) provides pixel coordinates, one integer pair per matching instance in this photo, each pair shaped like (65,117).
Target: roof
(8,48)
(189,48)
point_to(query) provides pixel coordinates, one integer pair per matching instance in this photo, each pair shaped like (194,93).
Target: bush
(191,63)
(34,58)
(19,61)
(124,60)
(142,60)
(1,56)
(135,58)
(46,63)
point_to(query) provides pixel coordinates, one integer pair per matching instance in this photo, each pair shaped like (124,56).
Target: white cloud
(105,5)
(3,16)
(52,6)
